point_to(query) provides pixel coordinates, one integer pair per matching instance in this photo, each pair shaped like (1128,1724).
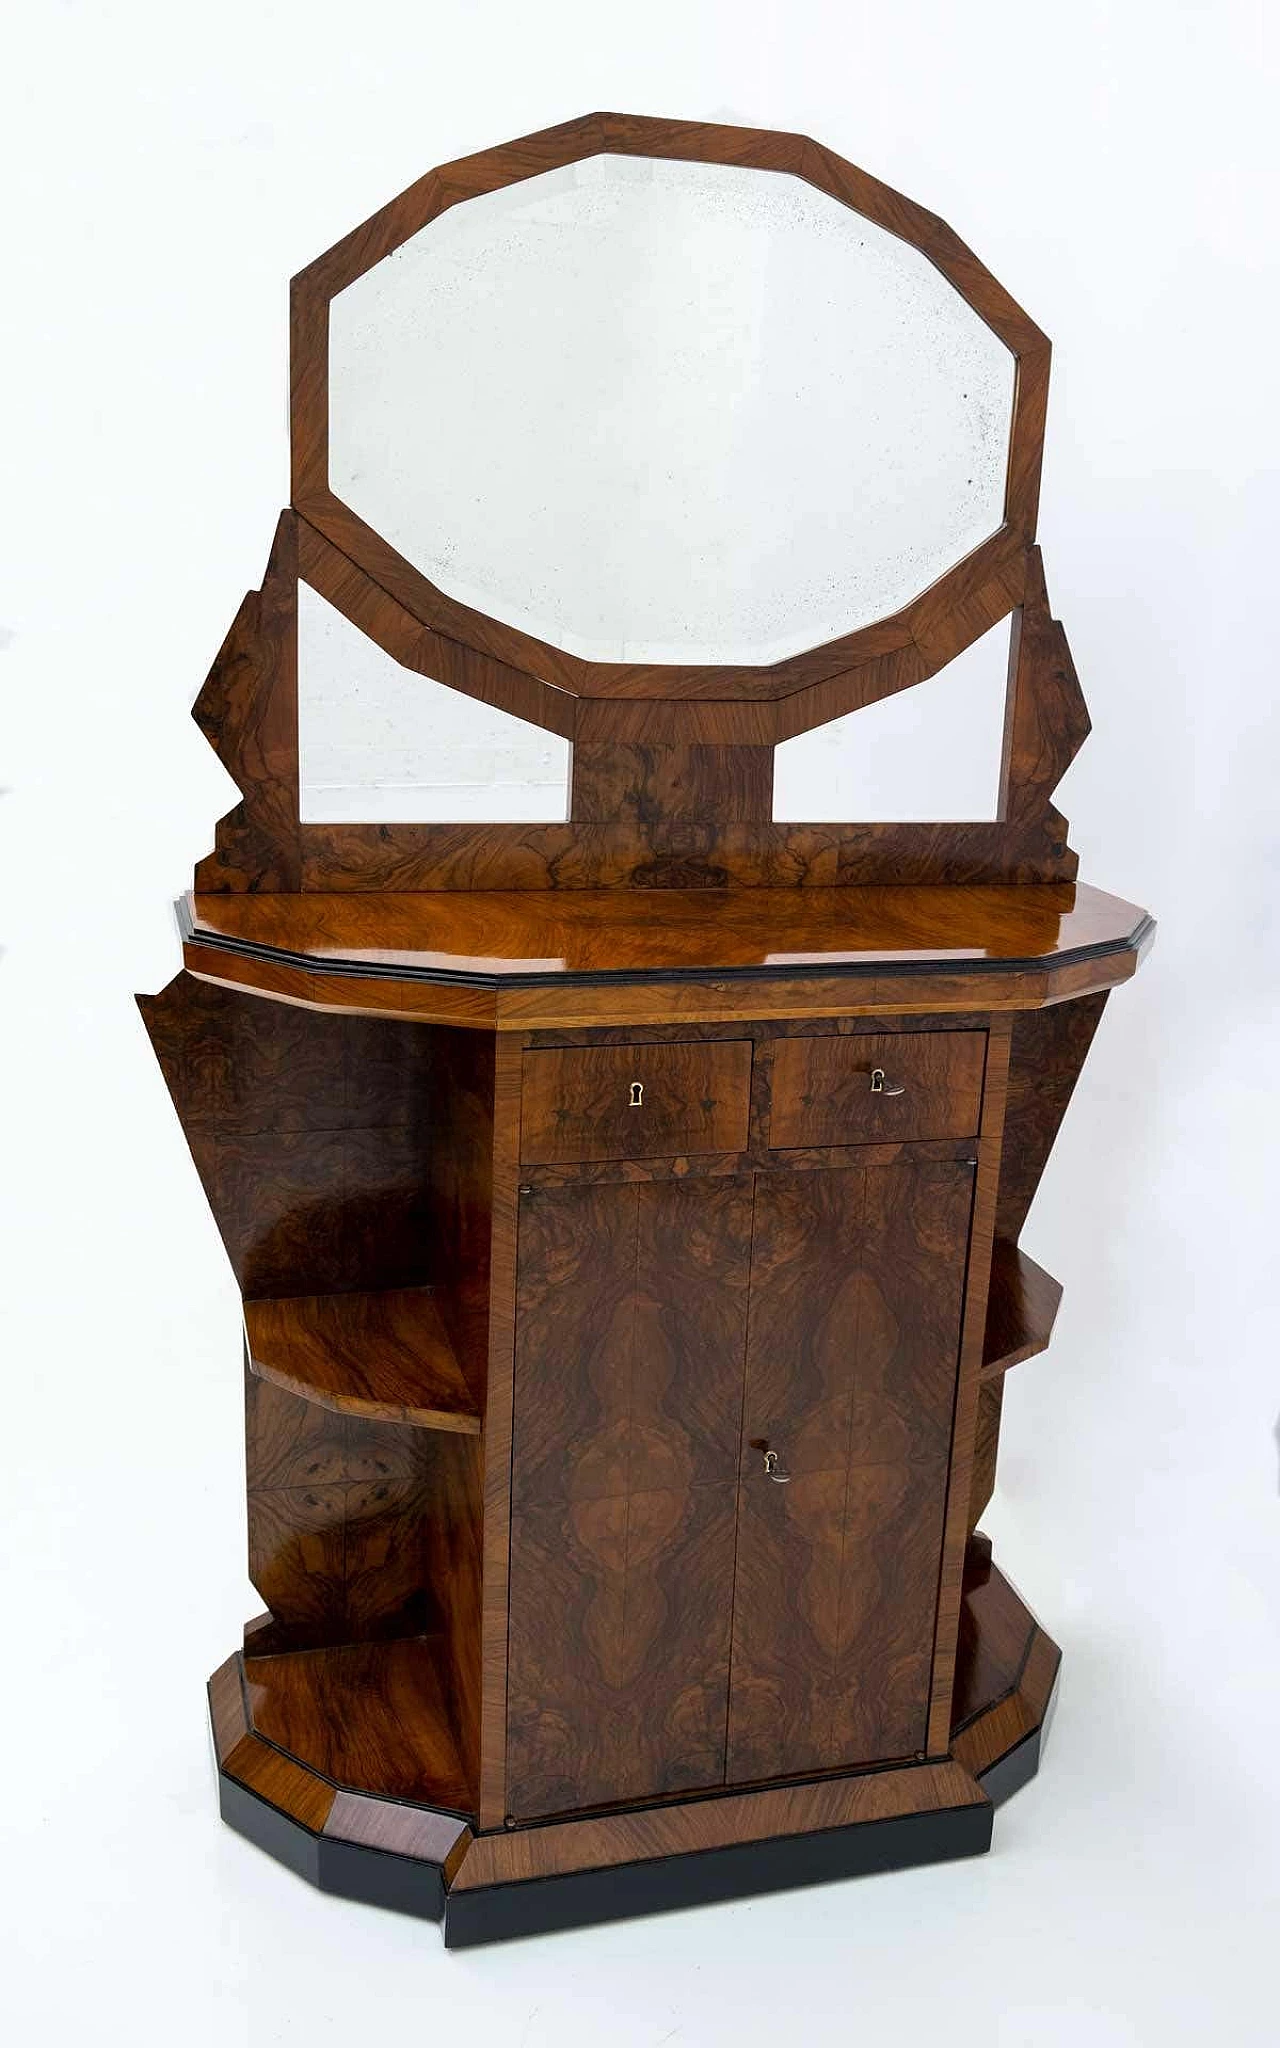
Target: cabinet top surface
(515,938)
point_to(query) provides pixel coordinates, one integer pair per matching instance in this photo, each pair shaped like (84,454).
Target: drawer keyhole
(637,1095)
(879,1086)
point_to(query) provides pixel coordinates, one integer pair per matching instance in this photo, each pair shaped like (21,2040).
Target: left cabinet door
(630,1349)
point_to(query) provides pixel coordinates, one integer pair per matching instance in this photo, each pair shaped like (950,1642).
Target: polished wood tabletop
(598,934)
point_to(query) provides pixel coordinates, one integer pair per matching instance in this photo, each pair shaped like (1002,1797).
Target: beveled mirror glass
(665,411)
(381,744)
(928,753)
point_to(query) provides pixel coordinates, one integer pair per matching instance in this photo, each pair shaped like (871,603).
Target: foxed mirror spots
(379,743)
(668,412)
(929,753)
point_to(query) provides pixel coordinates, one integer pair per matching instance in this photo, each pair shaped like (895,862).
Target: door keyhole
(881,1086)
(772,1462)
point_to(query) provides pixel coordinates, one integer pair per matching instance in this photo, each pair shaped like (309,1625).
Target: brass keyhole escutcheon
(772,1461)
(637,1095)
(879,1085)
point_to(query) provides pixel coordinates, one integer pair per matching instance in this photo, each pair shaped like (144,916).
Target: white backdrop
(164,171)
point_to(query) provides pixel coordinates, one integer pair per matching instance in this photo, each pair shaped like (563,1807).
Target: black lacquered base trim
(405,1884)
(350,1870)
(586,1897)
(1018,1766)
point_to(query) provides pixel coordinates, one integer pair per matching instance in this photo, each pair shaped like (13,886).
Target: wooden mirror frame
(672,764)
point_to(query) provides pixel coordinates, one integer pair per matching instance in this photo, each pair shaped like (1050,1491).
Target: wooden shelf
(384,1356)
(1021,1306)
(371,1717)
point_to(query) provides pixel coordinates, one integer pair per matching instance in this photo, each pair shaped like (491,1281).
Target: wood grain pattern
(452,1539)
(986,1448)
(416,1831)
(248,711)
(227,1712)
(529,961)
(1046,719)
(460,1186)
(526,936)
(1010,1720)
(680,723)
(1006,1667)
(1026,443)
(362,1530)
(883,675)
(310,1134)
(1021,1307)
(711,1165)
(386,1356)
(629,134)
(663,1002)
(419,1832)
(1048,1052)
(995,1635)
(505,1160)
(416,648)
(643,854)
(346,1147)
(857,1279)
(283,1783)
(369,1716)
(960,1480)
(681,785)
(578,1104)
(630,1332)
(673,763)
(955,612)
(329,1498)
(822,1088)
(600,1843)
(669,793)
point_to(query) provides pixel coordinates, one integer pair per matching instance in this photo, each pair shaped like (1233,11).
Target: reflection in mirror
(380,744)
(932,753)
(668,412)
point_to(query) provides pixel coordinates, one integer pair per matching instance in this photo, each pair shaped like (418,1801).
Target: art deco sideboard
(626,1198)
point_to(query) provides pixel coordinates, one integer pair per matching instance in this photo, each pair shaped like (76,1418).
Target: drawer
(823,1093)
(635,1101)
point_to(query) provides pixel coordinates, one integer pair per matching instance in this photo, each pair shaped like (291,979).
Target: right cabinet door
(857,1289)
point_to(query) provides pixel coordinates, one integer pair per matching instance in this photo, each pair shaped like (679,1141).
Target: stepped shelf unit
(626,1203)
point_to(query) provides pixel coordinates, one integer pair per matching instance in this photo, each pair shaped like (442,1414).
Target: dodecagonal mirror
(668,412)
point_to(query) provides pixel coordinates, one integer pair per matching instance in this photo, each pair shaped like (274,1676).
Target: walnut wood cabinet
(743,1384)
(627,1205)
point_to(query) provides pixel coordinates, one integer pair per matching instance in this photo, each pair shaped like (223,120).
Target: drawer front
(634,1101)
(823,1091)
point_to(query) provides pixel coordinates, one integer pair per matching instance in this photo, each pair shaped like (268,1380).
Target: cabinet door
(852,1357)
(630,1336)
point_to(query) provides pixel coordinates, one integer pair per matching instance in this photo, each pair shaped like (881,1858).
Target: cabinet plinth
(614,1499)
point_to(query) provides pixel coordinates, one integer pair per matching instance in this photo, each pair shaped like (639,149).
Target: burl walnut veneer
(626,1211)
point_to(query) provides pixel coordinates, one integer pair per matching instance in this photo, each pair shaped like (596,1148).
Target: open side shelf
(370,1716)
(1022,1303)
(385,1356)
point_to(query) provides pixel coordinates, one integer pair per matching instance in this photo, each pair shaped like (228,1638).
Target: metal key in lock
(879,1086)
(772,1462)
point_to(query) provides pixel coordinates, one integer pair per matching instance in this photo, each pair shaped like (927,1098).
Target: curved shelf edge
(1022,1305)
(385,1356)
